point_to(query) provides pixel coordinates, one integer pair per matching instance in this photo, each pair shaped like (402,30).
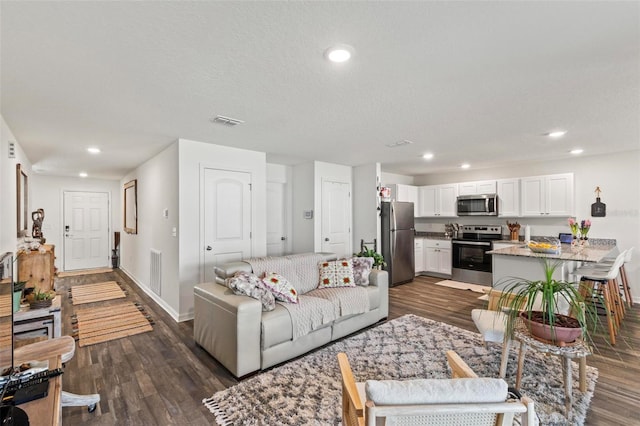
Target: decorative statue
(37,217)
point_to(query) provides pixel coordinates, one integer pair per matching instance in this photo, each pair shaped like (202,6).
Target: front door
(276,219)
(86,230)
(227,218)
(336,218)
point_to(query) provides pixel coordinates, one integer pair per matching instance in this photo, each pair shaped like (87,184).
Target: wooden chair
(356,411)
(492,323)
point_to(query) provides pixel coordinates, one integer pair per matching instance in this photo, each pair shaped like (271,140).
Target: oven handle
(472,243)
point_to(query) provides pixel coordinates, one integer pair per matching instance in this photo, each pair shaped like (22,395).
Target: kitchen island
(520,262)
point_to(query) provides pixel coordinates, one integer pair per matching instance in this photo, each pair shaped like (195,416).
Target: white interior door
(86,230)
(227,218)
(276,219)
(336,218)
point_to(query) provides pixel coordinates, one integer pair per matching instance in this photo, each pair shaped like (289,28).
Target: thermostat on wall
(308,214)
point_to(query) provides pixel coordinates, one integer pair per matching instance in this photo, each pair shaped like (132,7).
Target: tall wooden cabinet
(37,268)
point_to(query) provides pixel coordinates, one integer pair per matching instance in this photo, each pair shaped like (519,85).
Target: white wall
(366,216)
(303,200)
(390,178)
(157,186)
(47,193)
(193,157)
(327,172)
(617,175)
(8,224)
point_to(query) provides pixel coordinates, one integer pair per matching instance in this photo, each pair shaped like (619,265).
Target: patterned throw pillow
(247,284)
(362,269)
(280,287)
(338,273)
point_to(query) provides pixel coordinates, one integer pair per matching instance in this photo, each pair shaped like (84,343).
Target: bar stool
(597,280)
(624,281)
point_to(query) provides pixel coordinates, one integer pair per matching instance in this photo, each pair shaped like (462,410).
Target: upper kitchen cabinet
(408,193)
(547,196)
(508,197)
(477,188)
(437,200)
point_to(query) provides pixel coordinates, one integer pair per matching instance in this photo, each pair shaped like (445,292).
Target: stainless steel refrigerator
(397,241)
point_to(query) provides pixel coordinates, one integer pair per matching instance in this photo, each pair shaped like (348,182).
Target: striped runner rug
(105,323)
(98,292)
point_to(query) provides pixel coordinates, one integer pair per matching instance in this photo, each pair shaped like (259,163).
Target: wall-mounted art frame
(131,207)
(22,201)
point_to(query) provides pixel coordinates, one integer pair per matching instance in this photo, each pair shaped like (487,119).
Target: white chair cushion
(436,391)
(490,324)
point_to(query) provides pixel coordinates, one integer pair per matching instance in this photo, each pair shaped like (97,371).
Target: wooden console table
(37,267)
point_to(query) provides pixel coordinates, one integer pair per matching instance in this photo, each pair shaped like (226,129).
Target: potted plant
(378,260)
(18,287)
(542,300)
(40,299)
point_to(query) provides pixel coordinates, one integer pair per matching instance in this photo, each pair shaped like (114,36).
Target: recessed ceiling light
(339,53)
(465,166)
(83,174)
(556,133)
(93,150)
(428,156)
(577,151)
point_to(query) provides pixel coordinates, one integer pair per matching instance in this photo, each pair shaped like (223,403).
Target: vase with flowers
(579,230)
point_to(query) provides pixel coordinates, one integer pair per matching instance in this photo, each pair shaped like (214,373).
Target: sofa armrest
(380,279)
(228,327)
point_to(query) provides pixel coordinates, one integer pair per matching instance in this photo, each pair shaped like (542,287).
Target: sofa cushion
(290,321)
(347,301)
(281,288)
(337,273)
(362,269)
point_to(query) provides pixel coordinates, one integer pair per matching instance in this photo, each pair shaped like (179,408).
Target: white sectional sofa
(235,331)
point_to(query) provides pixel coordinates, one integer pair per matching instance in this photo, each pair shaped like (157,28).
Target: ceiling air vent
(399,143)
(221,119)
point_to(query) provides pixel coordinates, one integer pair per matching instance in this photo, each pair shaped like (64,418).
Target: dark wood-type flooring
(161,377)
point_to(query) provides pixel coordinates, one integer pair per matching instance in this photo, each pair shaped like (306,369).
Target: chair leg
(625,287)
(610,315)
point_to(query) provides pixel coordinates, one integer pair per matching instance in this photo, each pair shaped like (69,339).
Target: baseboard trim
(168,309)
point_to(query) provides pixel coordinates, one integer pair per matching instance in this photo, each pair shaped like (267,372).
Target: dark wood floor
(161,377)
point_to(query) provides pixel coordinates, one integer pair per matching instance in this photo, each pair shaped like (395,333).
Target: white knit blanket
(347,300)
(306,265)
(310,313)
(279,265)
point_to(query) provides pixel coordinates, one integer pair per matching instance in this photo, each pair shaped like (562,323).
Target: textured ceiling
(476,82)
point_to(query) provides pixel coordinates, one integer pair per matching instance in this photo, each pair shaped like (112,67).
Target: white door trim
(109,221)
(201,242)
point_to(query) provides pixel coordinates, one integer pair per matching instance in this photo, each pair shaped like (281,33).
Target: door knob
(209,248)
(326,239)
(283,238)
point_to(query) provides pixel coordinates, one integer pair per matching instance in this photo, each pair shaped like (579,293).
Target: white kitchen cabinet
(550,195)
(400,192)
(437,256)
(508,197)
(419,254)
(437,200)
(477,188)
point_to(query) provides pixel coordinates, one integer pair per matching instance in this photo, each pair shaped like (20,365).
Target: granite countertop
(585,254)
(432,235)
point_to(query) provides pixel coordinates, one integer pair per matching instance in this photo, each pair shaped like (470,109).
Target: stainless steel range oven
(470,262)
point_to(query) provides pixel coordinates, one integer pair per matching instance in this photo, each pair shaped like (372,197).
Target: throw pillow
(280,287)
(244,283)
(337,273)
(362,269)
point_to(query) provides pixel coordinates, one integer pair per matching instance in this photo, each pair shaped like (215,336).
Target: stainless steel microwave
(478,205)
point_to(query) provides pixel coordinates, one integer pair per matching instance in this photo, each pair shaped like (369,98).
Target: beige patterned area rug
(84,272)
(308,391)
(105,323)
(464,286)
(98,292)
